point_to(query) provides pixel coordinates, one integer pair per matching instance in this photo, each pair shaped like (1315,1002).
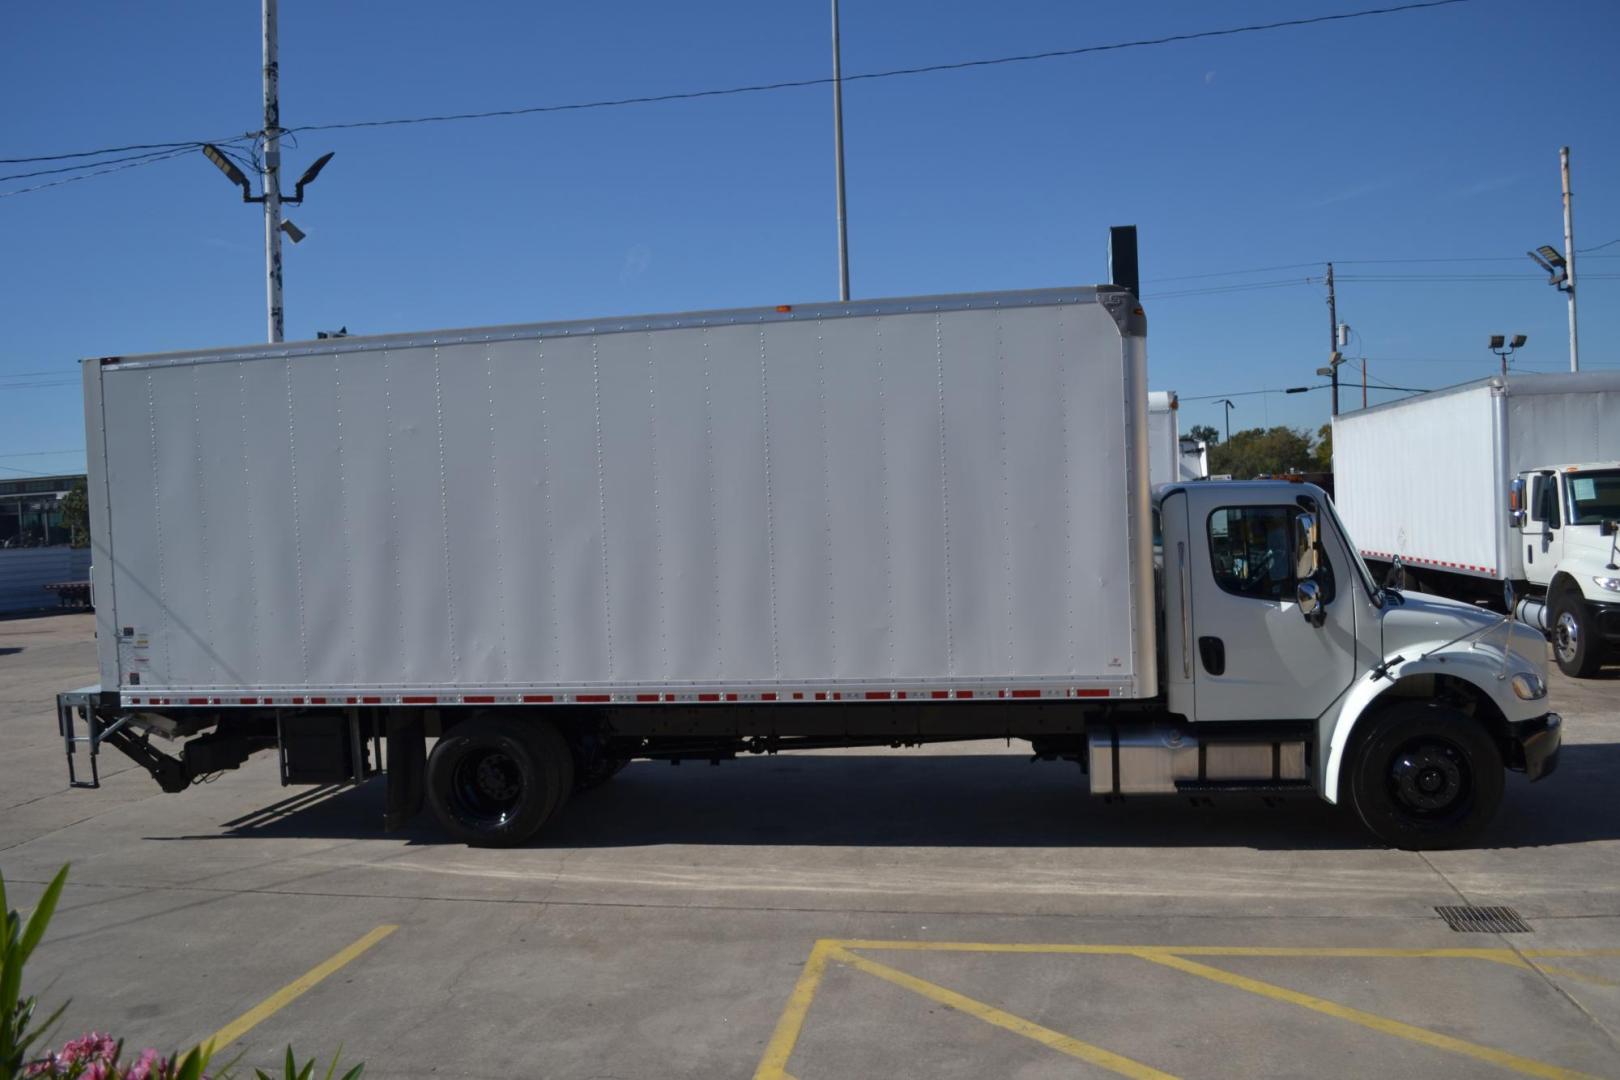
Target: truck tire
(1576,647)
(1425,776)
(493,781)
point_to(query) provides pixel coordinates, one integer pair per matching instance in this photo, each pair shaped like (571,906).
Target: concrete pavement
(766,916)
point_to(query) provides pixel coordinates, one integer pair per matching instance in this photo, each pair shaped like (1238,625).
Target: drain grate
(1483,920)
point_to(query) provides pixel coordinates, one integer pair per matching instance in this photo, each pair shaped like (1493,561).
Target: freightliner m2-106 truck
(499,563)
(1512,480)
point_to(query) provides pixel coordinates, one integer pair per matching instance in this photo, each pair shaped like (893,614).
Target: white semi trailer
(548,549)
(1512,480)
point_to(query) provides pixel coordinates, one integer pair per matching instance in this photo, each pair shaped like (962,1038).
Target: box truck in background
(1172,457)
(545,550)
(1500,480)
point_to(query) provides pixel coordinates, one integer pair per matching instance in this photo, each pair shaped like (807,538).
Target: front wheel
(493,781)
(1575,646)
(1425,776)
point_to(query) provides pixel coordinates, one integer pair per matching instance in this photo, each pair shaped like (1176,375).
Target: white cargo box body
(1426,478)
(938,497)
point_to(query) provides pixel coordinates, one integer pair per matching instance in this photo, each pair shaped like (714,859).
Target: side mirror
(1609,528)
(1306,538)
(1397,574)
(1309,597)
(1516,509)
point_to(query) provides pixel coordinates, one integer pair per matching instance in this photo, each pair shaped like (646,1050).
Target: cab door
(1256,656)
(1541,535)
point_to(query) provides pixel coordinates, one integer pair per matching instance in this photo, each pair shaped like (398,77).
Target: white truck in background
(1512,480)
(1172,456)
(550,549)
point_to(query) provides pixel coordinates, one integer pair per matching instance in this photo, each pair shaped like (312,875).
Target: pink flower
(147,1066)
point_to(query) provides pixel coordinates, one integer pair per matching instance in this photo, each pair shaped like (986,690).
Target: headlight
(1610,583)
(1529,686)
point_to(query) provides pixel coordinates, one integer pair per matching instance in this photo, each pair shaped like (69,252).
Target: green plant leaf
(41,916)
(354,1073)
(191,1066)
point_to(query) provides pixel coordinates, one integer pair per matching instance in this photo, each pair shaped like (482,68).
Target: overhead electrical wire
(178,148)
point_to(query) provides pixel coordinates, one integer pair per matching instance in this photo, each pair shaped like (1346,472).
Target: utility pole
(1332,331)
(1569,261)
(838,154)
(272,175)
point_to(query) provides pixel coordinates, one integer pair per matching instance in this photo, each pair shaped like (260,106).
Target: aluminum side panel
(935,495)
(1420,481)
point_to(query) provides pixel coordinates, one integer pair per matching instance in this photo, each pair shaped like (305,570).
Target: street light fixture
(1504,348)
(1230,405)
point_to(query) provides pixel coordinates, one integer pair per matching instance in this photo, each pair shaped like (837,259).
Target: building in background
(31,511)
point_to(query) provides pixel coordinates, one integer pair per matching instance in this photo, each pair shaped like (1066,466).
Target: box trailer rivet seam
(684,560)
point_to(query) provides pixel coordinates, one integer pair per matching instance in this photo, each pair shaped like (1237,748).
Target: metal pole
(272,175)
(1569,261)
(1333,336)
(838,155)
(1363,382)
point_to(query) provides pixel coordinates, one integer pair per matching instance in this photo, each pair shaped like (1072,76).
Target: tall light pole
(838,154)
(1229,407)
(270,176)
(1569,260)
(1561,267)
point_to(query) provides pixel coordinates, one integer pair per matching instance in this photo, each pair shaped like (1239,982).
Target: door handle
(1212,651)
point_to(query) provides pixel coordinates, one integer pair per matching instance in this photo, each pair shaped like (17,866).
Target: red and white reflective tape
(1491,570)
(619,697)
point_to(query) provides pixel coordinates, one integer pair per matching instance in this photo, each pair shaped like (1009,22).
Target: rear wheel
(1425,776)
(1575,645)
(493,781)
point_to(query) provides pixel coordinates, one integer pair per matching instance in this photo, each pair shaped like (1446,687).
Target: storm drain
(1468,919)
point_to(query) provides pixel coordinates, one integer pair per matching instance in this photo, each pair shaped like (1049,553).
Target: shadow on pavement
(970,800)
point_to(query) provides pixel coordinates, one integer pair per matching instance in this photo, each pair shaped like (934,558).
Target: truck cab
(1568,522)
(1409,707)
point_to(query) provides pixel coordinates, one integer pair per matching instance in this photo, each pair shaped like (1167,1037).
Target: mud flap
(407,766)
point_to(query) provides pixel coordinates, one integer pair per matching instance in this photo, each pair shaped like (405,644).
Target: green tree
(1207,433)
(1262,452)
(76,515)
(1322,453)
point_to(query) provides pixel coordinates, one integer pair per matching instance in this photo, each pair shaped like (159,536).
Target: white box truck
(519,557)
(1172,457)
(1513,480)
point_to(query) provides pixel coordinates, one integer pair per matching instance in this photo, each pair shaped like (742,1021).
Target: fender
(1479,666)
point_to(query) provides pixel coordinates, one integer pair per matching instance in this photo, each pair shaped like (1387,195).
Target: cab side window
(1252,552)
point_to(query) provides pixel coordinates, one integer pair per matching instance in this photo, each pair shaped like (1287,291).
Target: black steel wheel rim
(1430,778)
(487,786)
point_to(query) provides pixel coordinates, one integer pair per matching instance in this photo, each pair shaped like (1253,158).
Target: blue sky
(1423,135)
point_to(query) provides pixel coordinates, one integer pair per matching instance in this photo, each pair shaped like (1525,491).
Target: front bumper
(1606,617)
(1533,745)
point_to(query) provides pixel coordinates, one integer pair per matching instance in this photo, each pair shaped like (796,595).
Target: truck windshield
(1594,497)
(1360,567)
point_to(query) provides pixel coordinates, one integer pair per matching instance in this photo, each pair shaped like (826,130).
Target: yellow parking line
(1307,952)
(1383,1024)
(1055,1040)
(293,990)
(774,1064)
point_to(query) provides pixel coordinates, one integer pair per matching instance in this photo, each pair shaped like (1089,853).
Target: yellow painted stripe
(773,1066)
(295,989)
(1218,950)
(1055,1040)
(1383,1024)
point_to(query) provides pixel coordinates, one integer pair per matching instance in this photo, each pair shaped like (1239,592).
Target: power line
(786,84)
(1599,247)
(95,173)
